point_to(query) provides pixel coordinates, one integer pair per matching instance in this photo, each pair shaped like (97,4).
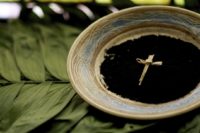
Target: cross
(147,63)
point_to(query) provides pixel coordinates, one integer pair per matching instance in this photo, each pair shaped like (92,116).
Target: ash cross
(147,63)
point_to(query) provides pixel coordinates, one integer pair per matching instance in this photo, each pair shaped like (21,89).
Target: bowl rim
(118,113)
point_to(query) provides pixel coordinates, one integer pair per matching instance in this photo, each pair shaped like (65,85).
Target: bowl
(87,54)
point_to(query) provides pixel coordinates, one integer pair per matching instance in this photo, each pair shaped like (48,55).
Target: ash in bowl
(178,75)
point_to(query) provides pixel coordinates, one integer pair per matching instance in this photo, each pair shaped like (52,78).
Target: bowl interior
(88,51)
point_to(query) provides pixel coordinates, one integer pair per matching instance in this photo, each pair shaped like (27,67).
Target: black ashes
(176,77)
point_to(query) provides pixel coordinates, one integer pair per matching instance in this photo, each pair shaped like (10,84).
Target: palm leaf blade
(8,67)
(7,96)
(54,53)
(28,57)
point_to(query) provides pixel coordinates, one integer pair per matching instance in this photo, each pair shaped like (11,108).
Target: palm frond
(35,93)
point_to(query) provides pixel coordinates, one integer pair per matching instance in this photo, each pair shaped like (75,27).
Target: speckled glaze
(88,50)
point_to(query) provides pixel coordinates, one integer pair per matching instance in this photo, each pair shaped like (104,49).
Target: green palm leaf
(8,67)
(8,94)
(25,58)
(28,57)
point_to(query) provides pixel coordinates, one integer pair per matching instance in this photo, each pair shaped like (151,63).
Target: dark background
(72,12)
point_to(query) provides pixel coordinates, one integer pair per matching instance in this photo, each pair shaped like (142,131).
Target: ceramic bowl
(87,54)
